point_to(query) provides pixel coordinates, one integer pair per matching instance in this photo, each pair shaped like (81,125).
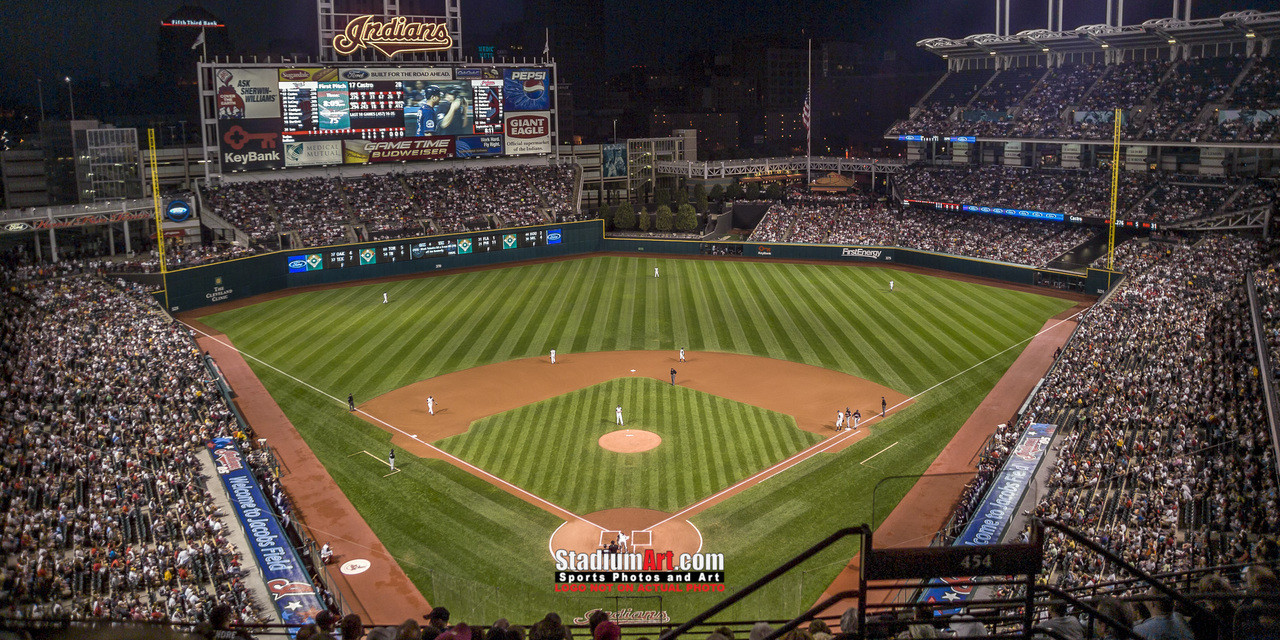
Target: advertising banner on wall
(310,154)
(366,151)
(250,145)
(1000,504)
(246,93)
(293,594)
(427,74)
(527,89)
(528,133)
(478,146)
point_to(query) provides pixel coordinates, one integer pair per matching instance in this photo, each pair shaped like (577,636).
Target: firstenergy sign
(392,37)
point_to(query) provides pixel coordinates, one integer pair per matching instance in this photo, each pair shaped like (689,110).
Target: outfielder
(384,297)
(351,402)
(618,413)
(891,285)
(655,272)
(431,405)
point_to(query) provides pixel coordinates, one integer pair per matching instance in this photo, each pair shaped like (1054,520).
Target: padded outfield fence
(241,278)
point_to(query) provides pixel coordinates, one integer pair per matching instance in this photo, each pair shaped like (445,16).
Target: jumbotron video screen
(271,118)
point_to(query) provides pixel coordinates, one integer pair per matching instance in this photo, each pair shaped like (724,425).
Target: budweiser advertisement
(528,133)
(398,150)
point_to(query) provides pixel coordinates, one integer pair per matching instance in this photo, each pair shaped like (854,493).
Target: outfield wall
(204,285)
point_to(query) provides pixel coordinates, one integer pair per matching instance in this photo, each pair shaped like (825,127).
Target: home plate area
(644,528)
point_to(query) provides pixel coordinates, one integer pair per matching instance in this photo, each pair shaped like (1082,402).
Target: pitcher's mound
(630,441)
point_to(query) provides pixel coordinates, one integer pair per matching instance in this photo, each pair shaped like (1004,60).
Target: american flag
(805,115)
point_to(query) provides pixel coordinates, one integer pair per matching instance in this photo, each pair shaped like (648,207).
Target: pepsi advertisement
(292,593)
(527,89)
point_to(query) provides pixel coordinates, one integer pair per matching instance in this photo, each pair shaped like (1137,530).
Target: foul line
(459,461)
(820,447)
(879,452)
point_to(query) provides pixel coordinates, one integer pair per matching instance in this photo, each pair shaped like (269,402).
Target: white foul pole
(808,133)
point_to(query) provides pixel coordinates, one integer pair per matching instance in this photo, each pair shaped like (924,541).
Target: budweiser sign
(395,36)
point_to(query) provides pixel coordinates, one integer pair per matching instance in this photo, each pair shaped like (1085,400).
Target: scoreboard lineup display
(276,117)
(342,258)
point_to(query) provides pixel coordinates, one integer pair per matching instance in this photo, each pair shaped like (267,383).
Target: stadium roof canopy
(1233,26)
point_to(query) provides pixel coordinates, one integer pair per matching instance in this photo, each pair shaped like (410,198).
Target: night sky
(116,39)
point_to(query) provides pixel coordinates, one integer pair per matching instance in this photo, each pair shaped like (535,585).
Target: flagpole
(808,129)
(204,46)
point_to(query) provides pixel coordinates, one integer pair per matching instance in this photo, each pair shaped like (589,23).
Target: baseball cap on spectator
(438,614)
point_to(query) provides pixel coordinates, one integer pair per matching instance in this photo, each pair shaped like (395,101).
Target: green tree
(624,218)
(686,218)
(753,191)
(717,193)
(662,196)
(643,220)
(666,219)
(700,198)
(682,197)
(606,213)
(774,192)
(734,192)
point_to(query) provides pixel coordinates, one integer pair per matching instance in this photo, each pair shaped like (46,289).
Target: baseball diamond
(750,464)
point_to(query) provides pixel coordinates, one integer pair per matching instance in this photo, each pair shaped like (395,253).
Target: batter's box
(607,536)
(641,538)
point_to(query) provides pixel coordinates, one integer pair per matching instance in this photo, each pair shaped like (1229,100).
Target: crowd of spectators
(864,222)
(1162,100)
(1156,197)
(1166,459)
(105,406)
(321,210)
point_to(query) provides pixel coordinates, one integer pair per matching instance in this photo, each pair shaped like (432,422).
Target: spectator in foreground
(437,623)
(819,630)
(1163,624)
(1116,609)
(760,631)
(964,625)
(1066,626)
(219,626)
(550,628)
(352,627)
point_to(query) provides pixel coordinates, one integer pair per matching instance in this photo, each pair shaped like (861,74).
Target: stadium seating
(106,406)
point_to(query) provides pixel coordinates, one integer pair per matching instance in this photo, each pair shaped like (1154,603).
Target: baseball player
(655,272)
(391,459)
(351,402)
(883,406)
(681,354)
(384,297)
(553,356)
(673,376)
(622,540)
(618,413)
(431,405)
(839,421)
(857,418)
(891,285)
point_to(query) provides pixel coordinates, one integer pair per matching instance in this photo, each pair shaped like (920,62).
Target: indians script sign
(393,37)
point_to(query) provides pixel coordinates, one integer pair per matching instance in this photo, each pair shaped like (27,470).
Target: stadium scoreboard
(349,257)
(275,117)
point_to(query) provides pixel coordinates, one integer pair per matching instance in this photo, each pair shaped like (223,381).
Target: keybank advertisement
(250,144)
(291,590)
(993,515)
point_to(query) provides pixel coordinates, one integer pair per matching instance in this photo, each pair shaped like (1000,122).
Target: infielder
(553,356)
(839,420)
(857,418)
(431,405)
(673,376)
(391,459)
(883,405)
(681,354)
(351,402)
(618,412)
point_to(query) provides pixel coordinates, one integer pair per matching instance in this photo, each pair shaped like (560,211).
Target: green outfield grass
(708,443)
(452,532)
